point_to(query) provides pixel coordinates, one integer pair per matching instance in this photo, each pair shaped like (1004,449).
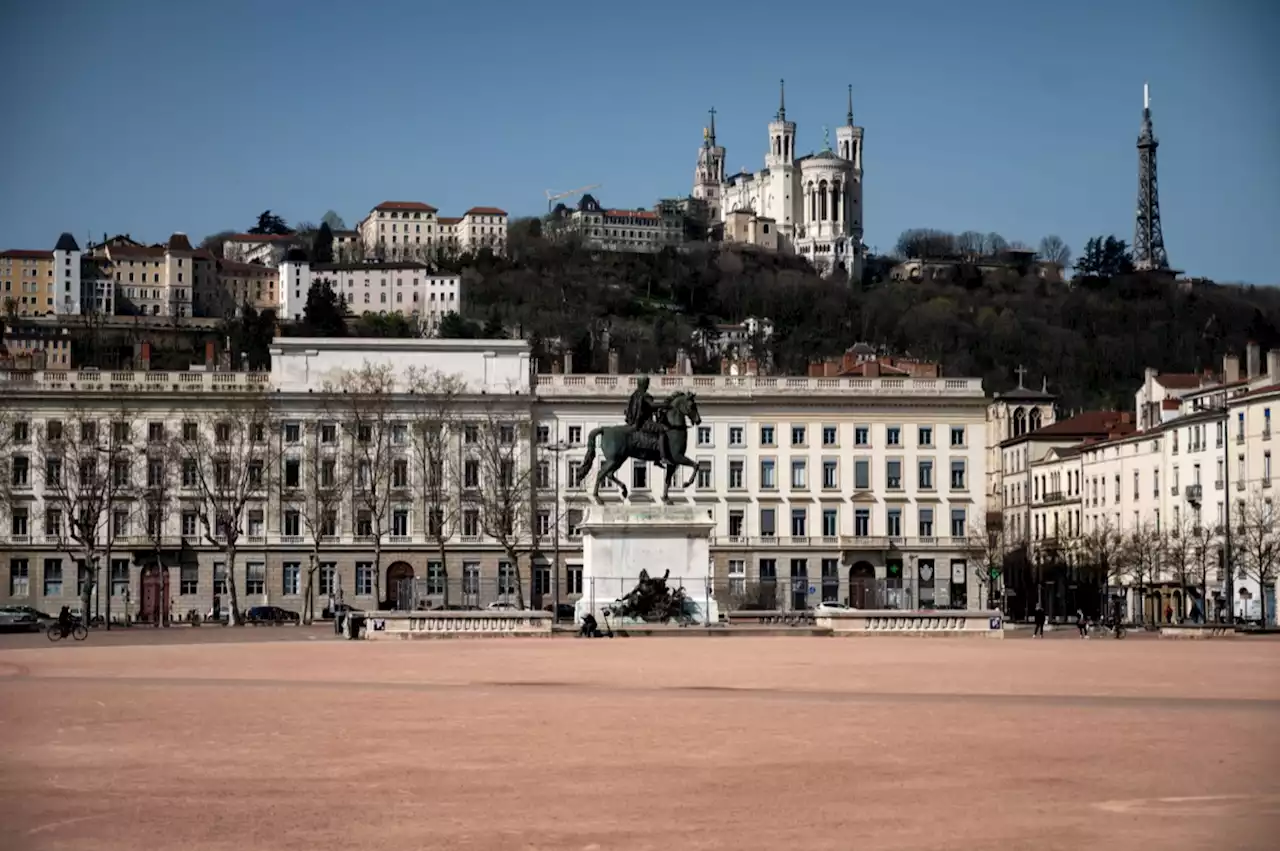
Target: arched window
(1035,419)
(835,201)
(1019,422)
(822,201)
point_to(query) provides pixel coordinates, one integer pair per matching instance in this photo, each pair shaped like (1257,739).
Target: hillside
(1092,340)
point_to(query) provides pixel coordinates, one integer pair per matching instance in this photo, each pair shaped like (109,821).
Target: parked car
(503,606)
(563,612)
(832,606)
(16,618)
(272,615)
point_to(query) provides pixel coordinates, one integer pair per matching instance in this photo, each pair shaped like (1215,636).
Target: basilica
(809,205)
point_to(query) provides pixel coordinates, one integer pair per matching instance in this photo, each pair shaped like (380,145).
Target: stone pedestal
(618,541)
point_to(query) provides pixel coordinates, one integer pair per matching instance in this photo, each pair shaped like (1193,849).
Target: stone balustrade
(402,625)
(719,386)
(943,622)
(107,381)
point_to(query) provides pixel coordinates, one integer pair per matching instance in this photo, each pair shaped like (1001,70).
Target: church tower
(782,134)
(849,148)
(708,177)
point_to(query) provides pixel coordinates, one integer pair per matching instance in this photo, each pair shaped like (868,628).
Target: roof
(1025,394)
(1170,404)
(179,242)
(383,266)
(449,220)
(406,205)
(136,250)
(485,211)
(236,267)
(26,254)
(1258,391)
(634,214)
(1089,424)
(824,155)
(1180,380)
(66,242)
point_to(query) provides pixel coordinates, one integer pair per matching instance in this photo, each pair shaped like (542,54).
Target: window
(735,436)
(255,578)
(958,475)
(292,523)
(120,522)
(219,578)
(19,577)
(328,575)
(328,433)
(799,480)
(704,435)
(704,475)
(364,578)
(190,527)
(798,435)
(53,577)
(471,473)
(799,522)
(926,522)
(830,474)
(120,432)
(957,435)
(925,473)
(768,523)
(737,576)
(292,432)
(958,522)
(830,522)
(1266,469)
(189,580)
(767,480)
(861,522)
(736,475)
(766,435)
(20,473)
(861,436)
(830,436)
(53,430)
(52,472)
(470,523)
(893,435)
(400,473)
(290,576)
(400,522)
(925,436)
(575,434)
(506,578)
(292,473)
(893,475)
(862,474)
(893,522)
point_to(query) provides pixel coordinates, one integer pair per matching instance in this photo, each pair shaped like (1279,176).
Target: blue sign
(813,589)
(995,623)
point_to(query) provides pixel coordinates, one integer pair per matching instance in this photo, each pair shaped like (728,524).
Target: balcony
(1173,491)
(737,386)
(77,381)
(1193,493)
(1218,484)
(1051,497)
(400,539)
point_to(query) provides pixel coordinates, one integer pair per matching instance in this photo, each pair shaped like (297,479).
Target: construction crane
(553,197)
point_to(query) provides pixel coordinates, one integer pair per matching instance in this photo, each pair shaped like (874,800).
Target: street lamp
(557,448)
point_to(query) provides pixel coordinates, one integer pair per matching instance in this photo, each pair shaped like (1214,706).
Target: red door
(154,600)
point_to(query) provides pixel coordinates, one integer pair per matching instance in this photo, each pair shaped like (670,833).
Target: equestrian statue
(655,431)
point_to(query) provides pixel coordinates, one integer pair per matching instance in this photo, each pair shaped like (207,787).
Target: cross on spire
(1022,375)
(713,125)
(782,100)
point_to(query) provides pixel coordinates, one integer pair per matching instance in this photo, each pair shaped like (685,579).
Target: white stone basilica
(810,205)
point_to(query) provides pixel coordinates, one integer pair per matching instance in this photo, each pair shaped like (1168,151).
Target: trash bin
(353,627)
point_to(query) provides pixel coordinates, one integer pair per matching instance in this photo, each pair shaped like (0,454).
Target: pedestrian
(1168,613)
(1039,618)
(1082,624)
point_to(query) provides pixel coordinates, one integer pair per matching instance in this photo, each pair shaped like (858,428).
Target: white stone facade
(411,288)
(813,202)
(412,230)
(811,482)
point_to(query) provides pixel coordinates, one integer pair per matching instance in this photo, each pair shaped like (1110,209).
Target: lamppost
(557,448)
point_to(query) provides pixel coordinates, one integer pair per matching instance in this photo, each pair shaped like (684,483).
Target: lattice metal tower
(1148,236)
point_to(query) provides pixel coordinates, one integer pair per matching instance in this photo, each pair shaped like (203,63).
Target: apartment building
(266,249)
(411,288)
(158,280)
(27,281)
(412,230)
(817,486)
(635,231)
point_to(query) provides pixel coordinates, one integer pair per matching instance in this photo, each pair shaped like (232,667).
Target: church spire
(712,131)
(782,100)
(849,115)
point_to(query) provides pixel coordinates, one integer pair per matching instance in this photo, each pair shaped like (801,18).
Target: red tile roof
(235,267)
(634,214)
(27,254)
(450,220)
(406,205)
(1171,404)
(179,242)
(485,211)
(1180,380)
(135,250)
(1089,424)
(1258,391)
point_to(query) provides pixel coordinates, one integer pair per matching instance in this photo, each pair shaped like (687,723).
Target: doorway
(399,586)
(153,601)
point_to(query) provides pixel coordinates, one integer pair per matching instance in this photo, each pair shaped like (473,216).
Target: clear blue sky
(150,117)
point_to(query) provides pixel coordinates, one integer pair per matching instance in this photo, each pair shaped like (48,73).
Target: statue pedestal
(619,541)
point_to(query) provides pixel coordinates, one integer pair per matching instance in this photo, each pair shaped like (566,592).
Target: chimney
(871,369)
(210,355)
(1125,417)
(145,356)
(817,369)
(1273,365)
(613,361)
(1253,359)
(1230,369)
(568,363)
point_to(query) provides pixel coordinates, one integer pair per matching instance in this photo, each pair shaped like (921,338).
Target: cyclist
(64,621)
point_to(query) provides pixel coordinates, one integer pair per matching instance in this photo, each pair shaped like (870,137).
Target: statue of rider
(642,410)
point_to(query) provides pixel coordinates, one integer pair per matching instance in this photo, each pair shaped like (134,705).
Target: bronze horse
(620,442)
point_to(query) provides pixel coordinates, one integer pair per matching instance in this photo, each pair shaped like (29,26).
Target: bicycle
(1098,630)
(78,631)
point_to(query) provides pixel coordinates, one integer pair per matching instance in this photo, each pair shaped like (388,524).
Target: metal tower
(1148,237)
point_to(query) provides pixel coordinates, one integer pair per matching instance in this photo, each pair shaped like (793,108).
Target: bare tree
(970,244)
(1141,554)
(1188,549)
(1101,550)
(229,458)
(9,425)
(326,474)
(504,493)
(1054,250)
(87,469)
(987,541)
(363,404)
(1257,546)
(434,423)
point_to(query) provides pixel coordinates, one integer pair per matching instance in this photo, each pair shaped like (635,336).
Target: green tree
(271,225)
(1104,257)
(322,246)
(324,314)
(454,327)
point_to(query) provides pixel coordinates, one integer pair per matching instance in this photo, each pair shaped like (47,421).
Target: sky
(149,117)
